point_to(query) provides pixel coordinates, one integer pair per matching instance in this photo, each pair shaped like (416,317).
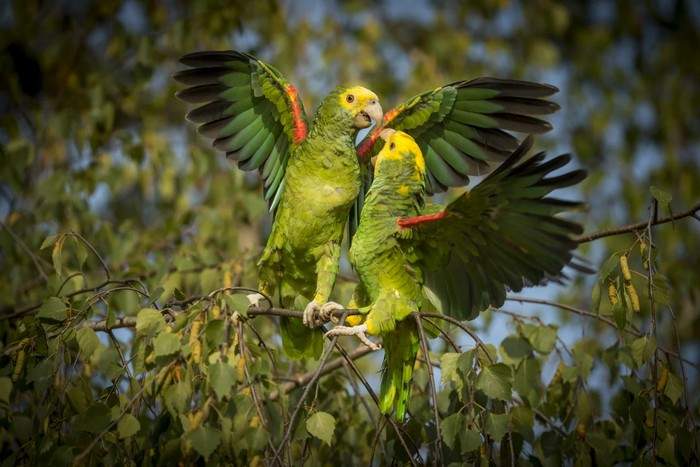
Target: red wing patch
(299,133)
(408,222)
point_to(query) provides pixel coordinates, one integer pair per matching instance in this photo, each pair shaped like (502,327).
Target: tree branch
(692,212)
(602,319)
(431,382)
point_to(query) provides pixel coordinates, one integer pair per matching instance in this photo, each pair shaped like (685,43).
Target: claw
(310,317)
(254,299)
(358,331)
(326,313)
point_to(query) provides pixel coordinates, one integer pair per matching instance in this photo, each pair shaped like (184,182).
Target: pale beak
(372,112)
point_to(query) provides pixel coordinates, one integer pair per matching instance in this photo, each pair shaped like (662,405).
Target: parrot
(315,176)
(459,259)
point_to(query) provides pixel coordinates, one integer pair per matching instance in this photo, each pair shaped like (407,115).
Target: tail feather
(400,351)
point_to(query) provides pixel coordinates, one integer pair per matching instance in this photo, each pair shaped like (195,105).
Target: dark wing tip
(211,57)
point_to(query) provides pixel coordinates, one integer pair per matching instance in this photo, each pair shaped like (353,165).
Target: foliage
(127,245)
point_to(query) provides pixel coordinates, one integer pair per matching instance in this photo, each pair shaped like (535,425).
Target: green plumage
(301,258)
(501,235)
(310,178)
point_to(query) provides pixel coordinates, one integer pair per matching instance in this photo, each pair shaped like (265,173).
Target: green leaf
(176,397)
(205,440)
(128,426)
(94,419)
(170,283)
(663,197)
(527,380)
(321,425)
(149,321)
(52,310)
(57,256)
(210,279)
(497,425)
(449,362)
(451,426)
(495,381)
(88,341)
(49,241)
(166,343)
(523,419)
(222,377)
(667,451)
(610,265)
(237,302)
(215,332)
(541,337)
(514,349)
(5,389)
(469,440)
(642,349)
(674,387)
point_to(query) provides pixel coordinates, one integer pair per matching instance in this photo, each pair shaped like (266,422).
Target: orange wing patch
(408,222)
(297,119)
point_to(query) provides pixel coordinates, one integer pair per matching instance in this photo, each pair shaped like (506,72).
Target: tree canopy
(127,245)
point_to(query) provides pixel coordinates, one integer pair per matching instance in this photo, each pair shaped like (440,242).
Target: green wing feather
(250,111)
(462,128)
(504,234)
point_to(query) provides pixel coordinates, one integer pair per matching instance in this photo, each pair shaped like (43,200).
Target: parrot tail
(400,351)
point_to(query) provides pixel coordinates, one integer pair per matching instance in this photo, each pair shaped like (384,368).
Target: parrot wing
(460,126)
(249,109)
(502,235)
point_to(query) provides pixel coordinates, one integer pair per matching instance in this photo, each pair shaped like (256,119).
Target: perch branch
(692,212)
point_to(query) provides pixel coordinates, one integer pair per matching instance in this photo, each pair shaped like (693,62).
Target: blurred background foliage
(101,179)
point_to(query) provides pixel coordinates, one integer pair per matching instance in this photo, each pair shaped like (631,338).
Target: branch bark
(692,212)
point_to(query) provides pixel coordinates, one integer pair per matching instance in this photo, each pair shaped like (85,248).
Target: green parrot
(311,175)
(314,178)
(459,259)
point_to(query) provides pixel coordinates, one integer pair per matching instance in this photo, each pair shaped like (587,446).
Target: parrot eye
(392,146)
(350,98)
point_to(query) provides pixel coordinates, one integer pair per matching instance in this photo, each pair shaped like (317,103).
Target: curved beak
(372,112)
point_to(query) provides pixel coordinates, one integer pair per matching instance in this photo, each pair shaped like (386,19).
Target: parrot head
(359,105)
(400,156)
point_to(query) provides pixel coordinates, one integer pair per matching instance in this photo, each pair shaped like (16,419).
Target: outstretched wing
(504,234)
(249,109)
(461,128)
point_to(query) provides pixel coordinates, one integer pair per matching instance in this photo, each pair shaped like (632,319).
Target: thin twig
(431,383)
(638,226)
(602,319)
(307,390)
(303,379)
(444,335)
(652,307)
(94,251)
(373,395)
(26,249)
(253,392)
(464,328)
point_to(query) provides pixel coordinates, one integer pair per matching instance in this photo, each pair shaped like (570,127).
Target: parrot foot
(311,314)
(254,299)
(358,331)
(326,313)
